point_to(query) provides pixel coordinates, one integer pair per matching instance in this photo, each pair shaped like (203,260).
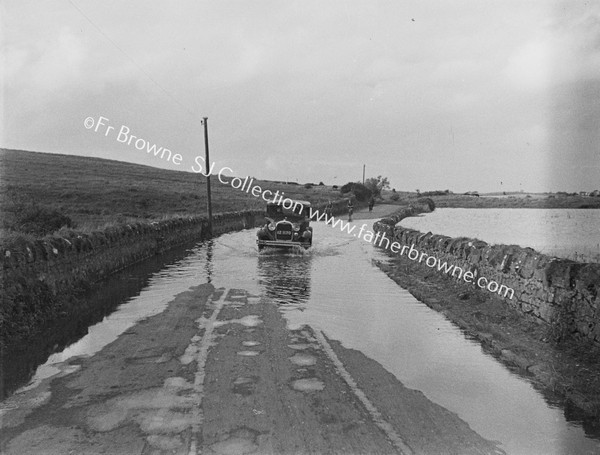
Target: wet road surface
(231,351)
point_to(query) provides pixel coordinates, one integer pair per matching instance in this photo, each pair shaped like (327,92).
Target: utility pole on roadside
(207,163)
(364,165)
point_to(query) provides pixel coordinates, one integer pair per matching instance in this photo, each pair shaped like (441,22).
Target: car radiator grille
(284,231)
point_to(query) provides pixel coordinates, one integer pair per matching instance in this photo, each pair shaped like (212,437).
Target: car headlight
(296,227)
(271,227)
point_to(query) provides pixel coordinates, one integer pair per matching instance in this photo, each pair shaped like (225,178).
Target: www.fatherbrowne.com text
(381,240)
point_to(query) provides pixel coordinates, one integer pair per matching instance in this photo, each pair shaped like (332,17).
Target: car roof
(294,202)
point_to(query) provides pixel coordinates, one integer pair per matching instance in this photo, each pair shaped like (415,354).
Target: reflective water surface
(335,287)
(567,233)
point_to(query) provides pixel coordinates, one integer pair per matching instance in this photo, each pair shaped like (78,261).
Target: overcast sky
(460,95)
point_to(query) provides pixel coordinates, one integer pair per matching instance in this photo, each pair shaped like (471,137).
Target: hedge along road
(315,352)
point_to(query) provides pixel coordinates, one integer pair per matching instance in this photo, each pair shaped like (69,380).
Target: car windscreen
(278,211)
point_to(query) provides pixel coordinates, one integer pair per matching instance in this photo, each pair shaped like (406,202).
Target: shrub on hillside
(38,220)
(436,193)
(429,202)
(346,188)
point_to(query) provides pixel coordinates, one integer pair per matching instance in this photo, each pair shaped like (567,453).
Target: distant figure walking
(328,211)
(371,203)
(350,209)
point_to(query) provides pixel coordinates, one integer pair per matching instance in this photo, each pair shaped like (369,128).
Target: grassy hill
(90,193)
(94,192)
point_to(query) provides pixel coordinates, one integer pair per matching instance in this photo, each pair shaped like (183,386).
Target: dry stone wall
(41,278)
(561,293)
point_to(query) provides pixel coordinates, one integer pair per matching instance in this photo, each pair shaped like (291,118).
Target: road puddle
(247,321)
(161,413)
(308,385)
(250,343)
(303,360)
(240,442)
(248,353)
(299,346)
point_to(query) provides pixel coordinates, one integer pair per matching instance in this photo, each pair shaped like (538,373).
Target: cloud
(55,64)
(309,90)
(13,60)
(566,50)
(271,164)
(531,66)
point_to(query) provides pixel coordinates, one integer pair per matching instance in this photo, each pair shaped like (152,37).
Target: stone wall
(563,294)
(41,278)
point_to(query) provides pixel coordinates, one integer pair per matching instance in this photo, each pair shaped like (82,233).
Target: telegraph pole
(205,122)
(364,165)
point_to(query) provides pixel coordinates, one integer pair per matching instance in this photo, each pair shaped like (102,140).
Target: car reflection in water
(285,276)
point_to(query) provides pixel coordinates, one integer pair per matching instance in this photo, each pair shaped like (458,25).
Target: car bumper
(283,243)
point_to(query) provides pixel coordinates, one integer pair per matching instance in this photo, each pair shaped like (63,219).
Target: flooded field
(567,233)
(336,289)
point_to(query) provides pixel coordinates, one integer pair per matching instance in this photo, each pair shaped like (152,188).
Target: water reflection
(208,266)
(285,276)
(568,233)
(18,363)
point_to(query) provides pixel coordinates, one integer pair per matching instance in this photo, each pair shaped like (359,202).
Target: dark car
(287,226)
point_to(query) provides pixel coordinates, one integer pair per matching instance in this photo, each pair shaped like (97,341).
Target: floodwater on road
(336,288)
(566,233)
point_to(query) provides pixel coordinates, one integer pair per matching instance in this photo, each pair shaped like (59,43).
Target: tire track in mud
(269,389)
(197,350)
(360,395)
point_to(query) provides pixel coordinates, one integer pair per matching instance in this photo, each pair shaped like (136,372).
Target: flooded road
(336,291)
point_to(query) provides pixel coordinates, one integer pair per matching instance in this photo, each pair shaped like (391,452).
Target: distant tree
(347,187)
(361,192)
(377,184)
